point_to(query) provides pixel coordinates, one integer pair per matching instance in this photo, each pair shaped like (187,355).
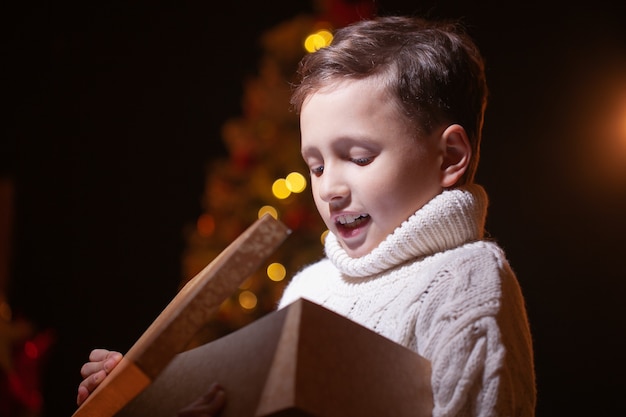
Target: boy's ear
(457,153)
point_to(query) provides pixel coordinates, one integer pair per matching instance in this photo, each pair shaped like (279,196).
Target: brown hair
(433,69)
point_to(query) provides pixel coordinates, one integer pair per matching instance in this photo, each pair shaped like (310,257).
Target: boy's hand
(101,363)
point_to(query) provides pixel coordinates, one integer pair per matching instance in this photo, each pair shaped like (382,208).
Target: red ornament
(20,387)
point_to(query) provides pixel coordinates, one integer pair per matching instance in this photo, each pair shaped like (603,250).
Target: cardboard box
(303,360)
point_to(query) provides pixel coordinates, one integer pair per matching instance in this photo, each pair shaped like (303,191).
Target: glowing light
(30,349)
(327,35)
(296,182)
(318,40)
(621,131)
(610,139)
(268,209)
(276,272)
(205,225)
(247,300)
(280,189)
(598,123)
(323,236)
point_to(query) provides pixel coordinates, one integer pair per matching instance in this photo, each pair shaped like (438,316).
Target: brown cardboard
(184,316)
(303,360)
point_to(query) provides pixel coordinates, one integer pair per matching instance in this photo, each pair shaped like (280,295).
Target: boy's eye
(362,161)
(317,170)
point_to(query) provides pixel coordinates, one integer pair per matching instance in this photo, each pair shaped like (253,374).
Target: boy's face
(369,172)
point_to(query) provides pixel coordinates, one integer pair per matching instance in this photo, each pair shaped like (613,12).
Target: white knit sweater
(435,286)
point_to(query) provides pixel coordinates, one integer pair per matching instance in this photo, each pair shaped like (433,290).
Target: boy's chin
(356,251)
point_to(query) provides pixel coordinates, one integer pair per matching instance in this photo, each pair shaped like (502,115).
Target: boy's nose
(333,188)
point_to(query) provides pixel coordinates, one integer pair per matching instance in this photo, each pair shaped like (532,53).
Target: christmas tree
(264,171)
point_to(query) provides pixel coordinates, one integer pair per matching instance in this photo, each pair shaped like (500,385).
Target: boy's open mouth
(349,221)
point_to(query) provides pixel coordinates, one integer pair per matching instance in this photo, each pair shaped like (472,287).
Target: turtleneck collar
(450,219)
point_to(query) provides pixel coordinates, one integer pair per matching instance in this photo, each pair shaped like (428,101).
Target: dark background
(113,110)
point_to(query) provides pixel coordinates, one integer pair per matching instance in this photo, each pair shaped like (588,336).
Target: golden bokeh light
(280,189)
(296,182)
(318,40)
(323,236)
(268,210)
(326,35)
(276,271)
(247,300)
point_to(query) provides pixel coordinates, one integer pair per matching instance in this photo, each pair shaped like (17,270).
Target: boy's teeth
(346,219)
(350,218)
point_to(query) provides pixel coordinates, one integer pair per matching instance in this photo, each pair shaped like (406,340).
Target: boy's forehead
(351,96)
(351,111)
(372,84)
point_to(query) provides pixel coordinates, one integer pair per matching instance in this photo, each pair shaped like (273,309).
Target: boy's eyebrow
(343,144)
(309,152)
(364,139)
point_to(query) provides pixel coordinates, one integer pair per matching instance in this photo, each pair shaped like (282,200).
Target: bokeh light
(268,210)
(323,236)
(205,225)
(280,189)
(318,40)
(621,126)
(296,182)
(600,127)
(31,350)
(247,300)
(276,271)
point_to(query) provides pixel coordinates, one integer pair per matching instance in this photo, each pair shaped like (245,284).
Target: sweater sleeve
(460,332)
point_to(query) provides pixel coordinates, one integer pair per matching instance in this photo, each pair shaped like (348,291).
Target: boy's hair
(433,69)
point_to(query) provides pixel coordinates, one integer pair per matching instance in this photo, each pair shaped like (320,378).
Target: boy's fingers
(83,393)
(107,364)
(98,355)
(91,368)
(90,383)
(112,361)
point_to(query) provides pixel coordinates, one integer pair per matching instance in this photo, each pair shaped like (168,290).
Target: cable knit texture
(437,287)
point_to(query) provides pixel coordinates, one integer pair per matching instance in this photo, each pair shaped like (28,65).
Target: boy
(391,118)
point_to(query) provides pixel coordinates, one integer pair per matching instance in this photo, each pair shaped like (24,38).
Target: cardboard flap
(184,316)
